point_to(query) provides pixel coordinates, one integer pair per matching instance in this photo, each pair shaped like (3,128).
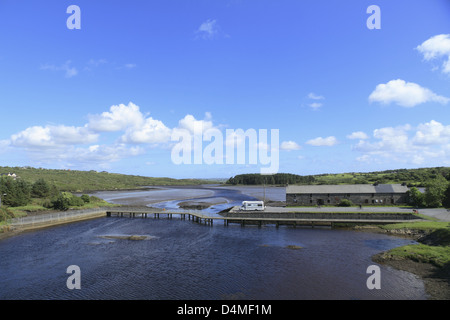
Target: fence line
(55,217)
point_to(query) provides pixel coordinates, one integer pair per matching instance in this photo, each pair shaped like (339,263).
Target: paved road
(440,214)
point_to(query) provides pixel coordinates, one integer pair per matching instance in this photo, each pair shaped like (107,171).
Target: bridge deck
(202,218)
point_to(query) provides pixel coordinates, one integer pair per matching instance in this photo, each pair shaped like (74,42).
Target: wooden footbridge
(198,217)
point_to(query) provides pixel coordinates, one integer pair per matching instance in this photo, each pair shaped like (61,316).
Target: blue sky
(110,95)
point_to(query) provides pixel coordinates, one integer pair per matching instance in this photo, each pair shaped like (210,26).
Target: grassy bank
(23,211)
(439,256)
(429,259)
(434,242)
(5,216)
(36,208)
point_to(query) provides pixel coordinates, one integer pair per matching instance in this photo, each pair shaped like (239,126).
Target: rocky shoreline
(436,280)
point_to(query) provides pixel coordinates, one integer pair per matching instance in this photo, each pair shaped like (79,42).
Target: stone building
(359,194)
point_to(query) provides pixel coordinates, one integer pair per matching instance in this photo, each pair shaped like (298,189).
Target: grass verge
(434,245)
(429,259)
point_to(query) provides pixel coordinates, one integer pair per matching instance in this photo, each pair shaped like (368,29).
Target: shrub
(47,203)
(62,202)
(18,192)
(435,192)
(345,203)
(40,189)
(415,197)
(5,214)
(85,198)
(95,199)
(76,201)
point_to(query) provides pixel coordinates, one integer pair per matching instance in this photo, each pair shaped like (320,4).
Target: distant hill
(412,177)
(78,181)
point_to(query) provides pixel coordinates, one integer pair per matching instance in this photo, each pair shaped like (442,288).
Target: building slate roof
(347,188)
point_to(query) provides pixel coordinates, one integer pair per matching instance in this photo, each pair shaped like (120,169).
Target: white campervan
(252,205)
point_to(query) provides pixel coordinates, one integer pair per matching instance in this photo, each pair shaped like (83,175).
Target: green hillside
(412,177)
(78,181)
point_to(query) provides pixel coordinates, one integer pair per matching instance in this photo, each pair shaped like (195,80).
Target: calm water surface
(184,260)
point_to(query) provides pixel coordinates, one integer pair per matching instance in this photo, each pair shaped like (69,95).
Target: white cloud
(358,135)
(432,133)
(138,128)
(85,157)
(406,144)
(52,136)
(102,153)
(315,105)
(314,96)
(130,133)
(208,29)
(191,124)
(289,145)
(64,144)
(120,117)
(437,47)
(4,145)
(392,139)
(66,68)
(152,131)
(405,94)
(33,137)
(328,141)
(395,139)
(72,135)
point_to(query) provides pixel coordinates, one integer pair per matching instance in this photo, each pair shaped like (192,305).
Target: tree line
(437,194)
(18,193)
(275,179)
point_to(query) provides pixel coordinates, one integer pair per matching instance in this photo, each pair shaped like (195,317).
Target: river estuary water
(182,260)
